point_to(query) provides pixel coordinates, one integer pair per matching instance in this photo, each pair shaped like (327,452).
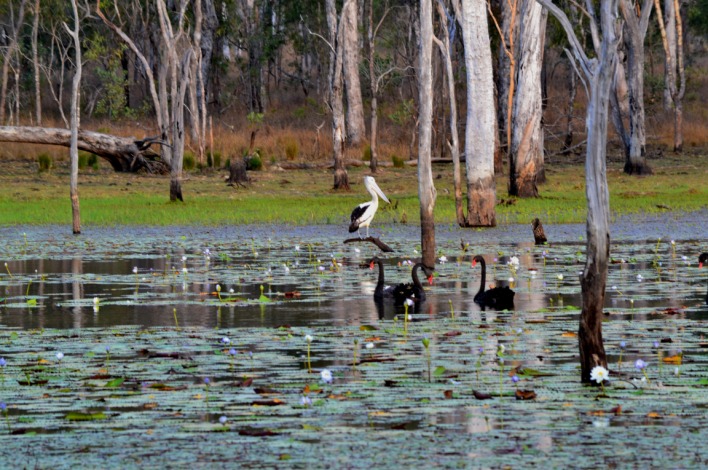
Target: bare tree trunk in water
(599,75)
(426,188)
(479,134)
(74,148)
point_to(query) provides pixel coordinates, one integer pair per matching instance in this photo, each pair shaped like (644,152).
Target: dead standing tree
(169,88)
(426,187)
(598,72)
(74,145)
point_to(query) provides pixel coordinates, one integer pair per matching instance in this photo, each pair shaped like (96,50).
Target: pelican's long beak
(379,192)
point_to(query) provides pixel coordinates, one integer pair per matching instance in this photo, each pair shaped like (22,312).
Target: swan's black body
(499,298)
(401,292)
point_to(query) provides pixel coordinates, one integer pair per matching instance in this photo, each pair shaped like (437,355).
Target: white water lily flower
(96,300)
(410,302)
(60,356)
(308,338)
(599,374)
(443,259)
(135,270)
(326,375)
(369,345)
(513,261)
(560,277)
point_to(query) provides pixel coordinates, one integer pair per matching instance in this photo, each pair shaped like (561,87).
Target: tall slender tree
(598,72)
(75,121)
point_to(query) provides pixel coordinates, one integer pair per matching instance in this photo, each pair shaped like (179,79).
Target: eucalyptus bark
(635,30)
(480,125)
(426,188)
(75,102)
(356,129)
(599,72)
(336,101)
(526,153)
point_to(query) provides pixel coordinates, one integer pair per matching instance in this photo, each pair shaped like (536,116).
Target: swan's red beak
(700,265)
(474,263)
(430,280)
(371,265)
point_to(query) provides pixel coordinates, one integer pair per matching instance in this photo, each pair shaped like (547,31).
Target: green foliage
(300,112)
(397,161)
(210,161)
(107,56)
(291,150)
(254,162)
(215,159)
(255,118)
(83,159)
(367,154)
(188,161)
(698,16)
(93,161)
(403,113)
(44,162)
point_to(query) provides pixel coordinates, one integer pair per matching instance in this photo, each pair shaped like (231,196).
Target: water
(179,268)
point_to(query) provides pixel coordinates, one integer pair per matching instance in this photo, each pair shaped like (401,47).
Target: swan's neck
(484,276)
(416,282)
(380,283)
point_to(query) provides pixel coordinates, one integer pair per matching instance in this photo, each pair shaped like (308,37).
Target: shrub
(210,160)
(188,161)
(367,154)
(397,161)
(215,159)
(44,161)
(254,163)
(291,150)
(93,161)
(83,159)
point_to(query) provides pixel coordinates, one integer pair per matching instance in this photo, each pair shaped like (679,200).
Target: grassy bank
(306,197)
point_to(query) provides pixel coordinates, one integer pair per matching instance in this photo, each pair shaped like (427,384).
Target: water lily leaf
(367,328)
(32,302)
(257,432)
(528,372)
(439,371)
(481,395)
(703,381)
(115,382)
(525,394)
(453,333)
(292,295)
(81,416)
(653,415)
(569,334)
(448,394)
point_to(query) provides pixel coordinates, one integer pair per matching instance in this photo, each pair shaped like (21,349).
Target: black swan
(401,292)
(702,259)
(499,298)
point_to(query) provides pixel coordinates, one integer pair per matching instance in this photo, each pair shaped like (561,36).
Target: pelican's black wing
(356,214)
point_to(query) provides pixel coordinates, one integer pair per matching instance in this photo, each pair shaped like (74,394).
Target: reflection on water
(319,280)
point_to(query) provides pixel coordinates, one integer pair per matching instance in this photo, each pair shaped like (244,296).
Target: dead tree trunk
(635,30)
(341,178)
(426,187)
(125,154)
(74,146)
(598,72)
(10,58)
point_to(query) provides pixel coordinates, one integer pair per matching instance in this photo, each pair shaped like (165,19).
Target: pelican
(363,214)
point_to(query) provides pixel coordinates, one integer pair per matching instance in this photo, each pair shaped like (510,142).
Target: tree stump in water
(539,235)
(237,173)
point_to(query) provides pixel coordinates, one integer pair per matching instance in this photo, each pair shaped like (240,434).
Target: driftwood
(384,247)
(125,154)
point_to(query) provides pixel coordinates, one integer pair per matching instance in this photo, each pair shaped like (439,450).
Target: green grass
(306,197)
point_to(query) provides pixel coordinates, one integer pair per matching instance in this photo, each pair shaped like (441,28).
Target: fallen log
(125,154)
